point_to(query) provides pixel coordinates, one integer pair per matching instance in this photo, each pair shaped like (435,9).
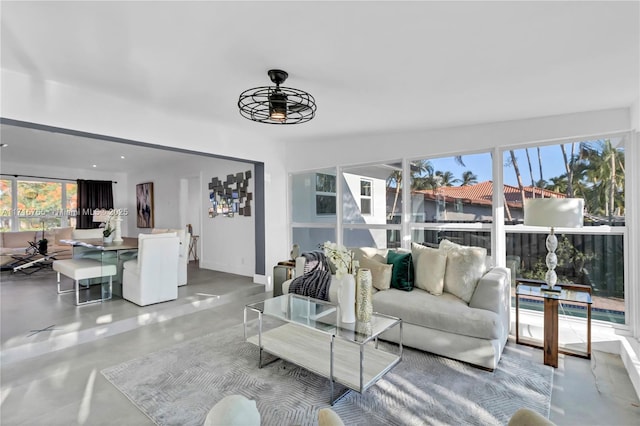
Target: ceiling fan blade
(298,107)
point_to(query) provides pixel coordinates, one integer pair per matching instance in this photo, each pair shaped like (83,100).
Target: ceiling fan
(277,104)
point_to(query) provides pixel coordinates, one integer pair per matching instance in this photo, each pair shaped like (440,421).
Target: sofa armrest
(493,291)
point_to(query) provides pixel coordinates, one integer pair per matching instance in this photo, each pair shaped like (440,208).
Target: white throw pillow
(429,267)
(380,273)
(465,266)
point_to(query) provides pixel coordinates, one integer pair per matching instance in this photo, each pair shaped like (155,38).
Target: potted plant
(107,232)
(42,246)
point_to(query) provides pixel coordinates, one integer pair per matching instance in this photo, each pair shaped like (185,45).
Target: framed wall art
(144,205)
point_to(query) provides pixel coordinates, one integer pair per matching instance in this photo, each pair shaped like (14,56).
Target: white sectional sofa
(471,325)
(455,306)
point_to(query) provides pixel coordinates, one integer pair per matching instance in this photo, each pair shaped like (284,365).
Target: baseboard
(264,280)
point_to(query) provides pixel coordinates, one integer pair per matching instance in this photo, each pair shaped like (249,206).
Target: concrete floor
(52,377)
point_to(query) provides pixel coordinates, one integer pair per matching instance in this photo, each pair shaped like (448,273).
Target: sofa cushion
(447,313)
(380,273)
(60,234)
(402,272)
(429,266)
(379,255)
(465,266)
(87,234)
(19,239)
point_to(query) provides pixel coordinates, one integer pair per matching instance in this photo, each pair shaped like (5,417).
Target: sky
(480,164)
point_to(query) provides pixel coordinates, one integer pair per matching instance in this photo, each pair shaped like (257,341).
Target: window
(371,205)
(365,196)
(28,205)
(313,193)
(325,194)
(6,206)
(592,255)
(454,197)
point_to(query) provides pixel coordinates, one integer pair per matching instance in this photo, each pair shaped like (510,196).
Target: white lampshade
(554,212)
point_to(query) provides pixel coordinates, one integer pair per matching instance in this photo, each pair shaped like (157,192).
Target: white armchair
(185,239)
(341,291)
(153,276)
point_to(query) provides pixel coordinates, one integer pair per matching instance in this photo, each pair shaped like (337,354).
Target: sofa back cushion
(429,265)
(19,239)
(373,253)
(86,234)
(54,235)
(402,272)
(380,272)
(465,266)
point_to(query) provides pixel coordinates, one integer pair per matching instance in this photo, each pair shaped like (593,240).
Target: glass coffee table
(307,332)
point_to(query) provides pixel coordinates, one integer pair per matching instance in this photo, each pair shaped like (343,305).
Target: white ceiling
(372,66)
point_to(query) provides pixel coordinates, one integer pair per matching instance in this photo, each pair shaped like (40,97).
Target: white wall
(225,244)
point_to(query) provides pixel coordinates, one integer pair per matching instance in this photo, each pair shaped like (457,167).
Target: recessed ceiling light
(122,156)
(4,145)
(94,165)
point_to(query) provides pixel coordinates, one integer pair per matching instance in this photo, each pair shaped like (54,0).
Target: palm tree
(533,182)
(569,166)
(417,169)
(446,178)
(540,164)
(558,184)
(516,169)
(604,176)
(469,178)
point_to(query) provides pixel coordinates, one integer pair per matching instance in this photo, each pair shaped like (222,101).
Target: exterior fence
(590,259)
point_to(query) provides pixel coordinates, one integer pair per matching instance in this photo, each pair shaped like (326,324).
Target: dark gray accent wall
(259,219)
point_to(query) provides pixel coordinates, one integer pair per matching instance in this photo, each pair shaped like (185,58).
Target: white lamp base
(551,278)
(118,233)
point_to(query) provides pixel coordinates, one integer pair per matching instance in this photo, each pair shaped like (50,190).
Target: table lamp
(553,213)
(117,219)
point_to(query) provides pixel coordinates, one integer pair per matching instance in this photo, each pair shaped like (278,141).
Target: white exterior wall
(352,201)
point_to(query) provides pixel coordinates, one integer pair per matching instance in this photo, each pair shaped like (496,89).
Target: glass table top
(562,295)
(322,316)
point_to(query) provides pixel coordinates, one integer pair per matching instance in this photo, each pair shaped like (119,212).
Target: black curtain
(92,194)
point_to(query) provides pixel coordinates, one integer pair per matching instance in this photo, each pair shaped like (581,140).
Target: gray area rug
(180,384)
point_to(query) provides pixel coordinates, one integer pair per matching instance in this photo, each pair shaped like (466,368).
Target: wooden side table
(574,293)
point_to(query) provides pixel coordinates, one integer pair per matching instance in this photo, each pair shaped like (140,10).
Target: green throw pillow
(402,274)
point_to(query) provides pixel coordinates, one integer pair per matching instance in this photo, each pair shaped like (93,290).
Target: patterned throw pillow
(402,273)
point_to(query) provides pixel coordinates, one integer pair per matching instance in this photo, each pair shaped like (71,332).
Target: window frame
(366,197)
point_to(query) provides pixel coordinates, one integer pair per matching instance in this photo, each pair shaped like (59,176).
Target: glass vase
(364,304)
